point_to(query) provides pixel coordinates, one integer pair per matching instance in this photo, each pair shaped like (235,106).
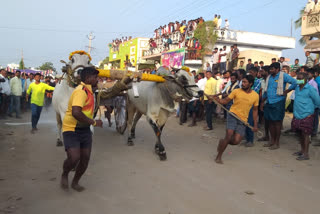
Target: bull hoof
(162,156)
(130,142)
(59,143)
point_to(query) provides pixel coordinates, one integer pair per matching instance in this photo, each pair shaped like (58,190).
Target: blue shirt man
(305,102)
(271,93)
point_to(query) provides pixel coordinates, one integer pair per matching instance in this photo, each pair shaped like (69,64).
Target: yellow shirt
(182,29)
(210,88)
(38,91)
(215,21)
(83,97)
(243,102)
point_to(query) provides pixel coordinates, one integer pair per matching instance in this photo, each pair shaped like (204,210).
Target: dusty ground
(123,179)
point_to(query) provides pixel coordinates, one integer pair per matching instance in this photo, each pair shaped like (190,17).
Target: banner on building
(173,59)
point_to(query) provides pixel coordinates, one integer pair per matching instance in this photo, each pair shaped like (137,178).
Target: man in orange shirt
(243,100)
(77,135)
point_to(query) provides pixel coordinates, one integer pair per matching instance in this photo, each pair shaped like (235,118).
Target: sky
(50,30)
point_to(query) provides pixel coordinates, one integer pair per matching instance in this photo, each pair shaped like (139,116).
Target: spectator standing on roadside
(4,93)
(314,84)
(275,95)
(306,100)
(235,55)
(215,59)
(241,66)
(249,65)
(16,93)
(229,58)
(296,65)
(309,61)
(210,89)
(223,60)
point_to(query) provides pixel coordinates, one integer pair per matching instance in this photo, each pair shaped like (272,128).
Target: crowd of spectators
(280,87)
(116,42)
(180,34)
(13,89)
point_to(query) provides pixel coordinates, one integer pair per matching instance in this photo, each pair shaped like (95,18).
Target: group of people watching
(177,26)
(217,21)
(312,7)
(276,87)
(116,42)
(180,34)
(14,93)
(223,60)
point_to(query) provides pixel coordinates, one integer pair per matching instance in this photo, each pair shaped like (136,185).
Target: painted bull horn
(119,74)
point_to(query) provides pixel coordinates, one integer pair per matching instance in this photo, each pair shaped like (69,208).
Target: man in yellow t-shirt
(243,100)
(209,89)
(38,90)
(215,21)
(77,136)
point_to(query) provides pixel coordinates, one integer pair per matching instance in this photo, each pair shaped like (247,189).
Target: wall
(129,49)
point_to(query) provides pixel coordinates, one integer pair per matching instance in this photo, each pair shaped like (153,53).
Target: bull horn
(119,74)
(62,61)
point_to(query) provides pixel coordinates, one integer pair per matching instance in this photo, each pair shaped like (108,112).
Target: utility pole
(90,37)
(291,26)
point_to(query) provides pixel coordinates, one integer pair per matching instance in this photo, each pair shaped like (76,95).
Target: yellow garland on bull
(80,52)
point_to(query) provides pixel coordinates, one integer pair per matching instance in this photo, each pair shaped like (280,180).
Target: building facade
(131,50)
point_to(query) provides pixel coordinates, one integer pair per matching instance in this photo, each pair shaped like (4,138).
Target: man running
(38,90)
(243,100)
(77,136)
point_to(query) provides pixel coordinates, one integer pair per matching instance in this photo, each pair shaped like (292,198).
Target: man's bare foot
(64,182)
(274,147)
(77,187)
(267,145)
(218,161)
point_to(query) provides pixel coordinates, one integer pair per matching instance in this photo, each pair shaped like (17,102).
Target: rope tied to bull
(260,134)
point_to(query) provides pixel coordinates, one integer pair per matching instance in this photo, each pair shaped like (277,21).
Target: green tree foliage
(105,61)
(206,35)
(298,24)
(47,66)
(21,64)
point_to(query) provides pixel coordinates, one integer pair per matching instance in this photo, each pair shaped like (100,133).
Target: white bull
(64,89)
(156,101)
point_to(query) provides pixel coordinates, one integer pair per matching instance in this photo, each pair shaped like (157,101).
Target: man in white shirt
(16,93)
(4,93)
(226,24)
(215,60)
(219,22)
(223,60)
(309,7)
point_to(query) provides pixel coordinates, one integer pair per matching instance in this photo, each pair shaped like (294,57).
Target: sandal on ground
(302,157)
(267,145)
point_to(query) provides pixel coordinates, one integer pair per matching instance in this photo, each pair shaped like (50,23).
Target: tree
(47,66)
(206,35)
(21,65)
(298,24)
(105,61)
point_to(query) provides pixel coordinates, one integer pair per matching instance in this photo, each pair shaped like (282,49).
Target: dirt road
(123,179)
